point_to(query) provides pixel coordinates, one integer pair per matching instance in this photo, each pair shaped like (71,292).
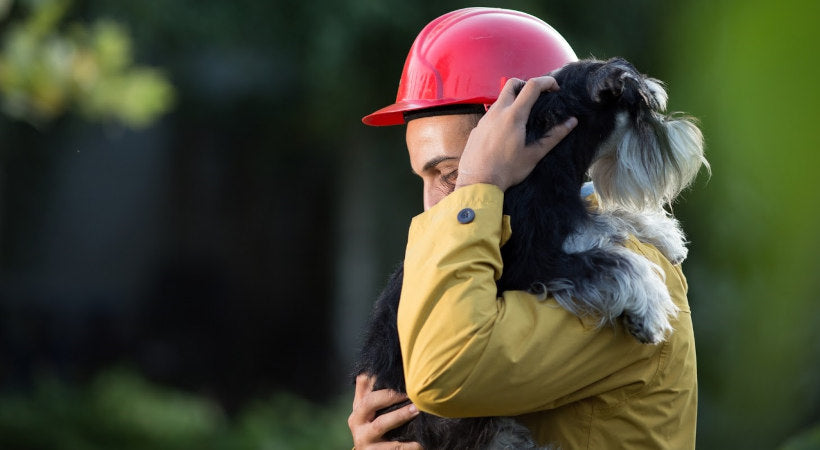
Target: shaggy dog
(639,160)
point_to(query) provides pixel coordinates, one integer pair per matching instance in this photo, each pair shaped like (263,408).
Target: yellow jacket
(470,353)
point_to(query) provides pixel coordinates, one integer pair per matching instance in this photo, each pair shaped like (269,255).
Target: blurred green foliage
(744,68)
(808,440)
(47,69)
(121,410)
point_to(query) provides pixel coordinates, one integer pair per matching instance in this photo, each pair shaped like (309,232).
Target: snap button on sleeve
(466,215)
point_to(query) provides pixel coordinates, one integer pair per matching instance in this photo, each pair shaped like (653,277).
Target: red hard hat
(465,56)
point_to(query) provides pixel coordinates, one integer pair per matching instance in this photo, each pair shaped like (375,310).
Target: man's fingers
(525,92)
(407,446)
(521,95)
(553,137)
(394,419)
(364,384)
(398,446)
(560,131)
(508,93)
(377,400)
(532,90)
(367,429)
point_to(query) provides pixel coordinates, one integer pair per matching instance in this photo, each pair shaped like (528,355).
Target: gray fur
(634,186)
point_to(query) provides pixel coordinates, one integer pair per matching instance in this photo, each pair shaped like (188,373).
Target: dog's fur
(639,160)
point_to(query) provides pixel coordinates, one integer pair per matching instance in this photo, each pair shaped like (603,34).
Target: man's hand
(367,429)
(495,152)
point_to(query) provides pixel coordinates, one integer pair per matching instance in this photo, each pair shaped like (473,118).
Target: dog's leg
(648,307)
(604,279)
(626,286)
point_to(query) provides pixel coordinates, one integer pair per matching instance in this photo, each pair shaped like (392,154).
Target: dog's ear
(618,81)
(653,156)
(653,161)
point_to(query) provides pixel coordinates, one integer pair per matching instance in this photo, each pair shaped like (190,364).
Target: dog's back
(639,159)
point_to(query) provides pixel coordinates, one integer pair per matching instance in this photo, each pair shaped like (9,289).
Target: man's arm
(469,352)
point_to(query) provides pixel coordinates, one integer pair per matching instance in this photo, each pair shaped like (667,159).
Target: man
(468,350)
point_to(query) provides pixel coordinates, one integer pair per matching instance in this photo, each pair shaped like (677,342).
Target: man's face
(435,145)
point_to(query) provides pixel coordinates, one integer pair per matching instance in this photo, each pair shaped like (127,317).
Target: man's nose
(430,197)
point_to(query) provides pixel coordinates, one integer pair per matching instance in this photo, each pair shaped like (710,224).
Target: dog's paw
(649,307)
(652,326)
(643,330)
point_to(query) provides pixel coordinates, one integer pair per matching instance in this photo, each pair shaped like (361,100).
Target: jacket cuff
(475,205)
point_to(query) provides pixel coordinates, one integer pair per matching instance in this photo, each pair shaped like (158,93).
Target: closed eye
(450,178)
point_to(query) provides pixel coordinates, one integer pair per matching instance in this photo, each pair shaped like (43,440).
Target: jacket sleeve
(468,351)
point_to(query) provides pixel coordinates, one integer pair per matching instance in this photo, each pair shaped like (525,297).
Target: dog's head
(638,157)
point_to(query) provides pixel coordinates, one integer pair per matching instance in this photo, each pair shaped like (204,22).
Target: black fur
(381,356)
(544,210)
(547,207)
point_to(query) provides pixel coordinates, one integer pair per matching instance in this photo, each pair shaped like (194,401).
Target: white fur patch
(658,93)
(638,172)
(633,289)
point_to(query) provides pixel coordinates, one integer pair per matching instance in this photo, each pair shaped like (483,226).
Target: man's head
(455,69)
(435,144)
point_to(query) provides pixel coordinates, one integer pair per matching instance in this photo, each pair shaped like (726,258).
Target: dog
(638,159)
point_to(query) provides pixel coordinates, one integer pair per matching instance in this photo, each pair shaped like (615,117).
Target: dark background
(226,252)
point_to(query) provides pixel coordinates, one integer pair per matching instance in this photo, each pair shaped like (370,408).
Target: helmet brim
(394,114)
